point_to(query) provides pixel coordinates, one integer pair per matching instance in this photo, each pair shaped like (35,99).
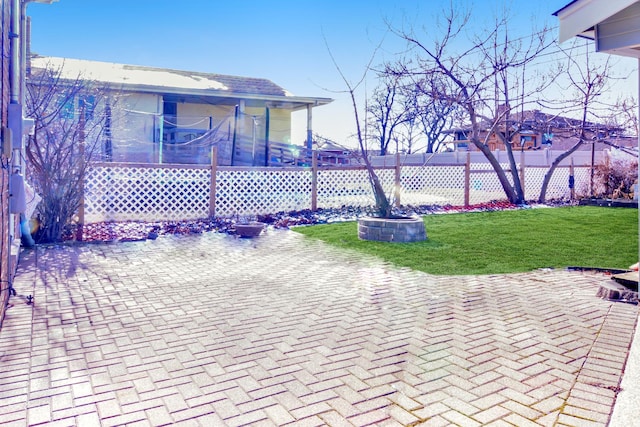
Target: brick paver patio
(210,330)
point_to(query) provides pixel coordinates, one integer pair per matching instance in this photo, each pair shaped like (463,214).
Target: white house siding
(579,17)
(619,31)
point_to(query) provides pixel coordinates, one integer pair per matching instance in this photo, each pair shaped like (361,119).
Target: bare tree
(624,115)
(586,81)
(408,134)
(436,114)
(67,137)
(383,206)
(484,79)
(388,110)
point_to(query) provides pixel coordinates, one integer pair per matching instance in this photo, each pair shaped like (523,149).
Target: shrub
(615,175)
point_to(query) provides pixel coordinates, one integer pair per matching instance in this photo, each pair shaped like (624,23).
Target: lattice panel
(485,187)
(582,176)
(124,193)
(337,188)
(558,186)
(255,192)
(433,185)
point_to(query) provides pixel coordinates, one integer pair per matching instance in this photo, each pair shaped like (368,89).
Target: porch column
(309,129)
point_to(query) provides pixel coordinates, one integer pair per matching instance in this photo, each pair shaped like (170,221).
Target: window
(170,112)
(88,104)
(65,106)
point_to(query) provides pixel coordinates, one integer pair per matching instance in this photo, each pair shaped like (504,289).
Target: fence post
(522,172)
(314,181)
(80,231)
(84,169)
(572,180)
(212,187)
(397,181)
(266,136)
(467,179)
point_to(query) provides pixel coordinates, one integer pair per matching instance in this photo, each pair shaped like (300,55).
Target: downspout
(23,51)
(14,35)
(20,161)
(15,114)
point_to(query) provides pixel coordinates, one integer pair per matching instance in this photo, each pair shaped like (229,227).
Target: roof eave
(579,17)
(293,103)
(314,101)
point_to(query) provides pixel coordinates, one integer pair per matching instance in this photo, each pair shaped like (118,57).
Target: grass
(505,241)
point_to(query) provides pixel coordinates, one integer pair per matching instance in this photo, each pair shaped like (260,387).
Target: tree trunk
(383,206)
(517,184)
(552,168)
(509,190)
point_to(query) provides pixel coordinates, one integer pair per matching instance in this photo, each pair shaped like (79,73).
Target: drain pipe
(14,86)
(14,119)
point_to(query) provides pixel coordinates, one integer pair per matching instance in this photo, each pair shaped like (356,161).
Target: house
(159,115)
(535,130)
(615,28)
(331,153)
(13,125)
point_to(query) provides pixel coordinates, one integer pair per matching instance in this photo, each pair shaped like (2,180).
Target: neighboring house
(535,130)
(330,153)
(171,116)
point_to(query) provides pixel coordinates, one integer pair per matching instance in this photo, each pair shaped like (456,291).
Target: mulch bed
(135,231)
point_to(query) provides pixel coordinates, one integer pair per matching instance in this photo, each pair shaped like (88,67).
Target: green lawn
(505,241)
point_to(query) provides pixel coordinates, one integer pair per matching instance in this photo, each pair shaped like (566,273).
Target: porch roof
(613,24)
(178,84)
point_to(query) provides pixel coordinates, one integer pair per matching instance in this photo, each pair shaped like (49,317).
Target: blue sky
(281,40)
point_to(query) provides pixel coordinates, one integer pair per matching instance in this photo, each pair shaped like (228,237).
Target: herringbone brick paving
(212,330)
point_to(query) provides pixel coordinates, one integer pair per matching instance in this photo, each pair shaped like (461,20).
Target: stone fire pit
(396,229)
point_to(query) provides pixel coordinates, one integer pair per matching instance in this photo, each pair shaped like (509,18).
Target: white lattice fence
(262,191)
(484,185)
(433,185)
(582,178)
(141,193)
(127,192)
(350,187)
(558,187)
